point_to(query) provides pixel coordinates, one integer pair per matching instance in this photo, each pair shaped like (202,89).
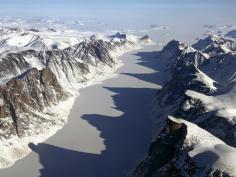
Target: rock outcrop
(33,91)
(201,90)
(185,150)
(39,79)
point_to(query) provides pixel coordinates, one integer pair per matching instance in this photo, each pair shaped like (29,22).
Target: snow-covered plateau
(41,72)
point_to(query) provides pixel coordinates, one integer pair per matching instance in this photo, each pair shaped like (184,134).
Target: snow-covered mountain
(40,74)
(200,90)
(231,34)
(185,150)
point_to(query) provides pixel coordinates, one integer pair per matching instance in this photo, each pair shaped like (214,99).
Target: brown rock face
(3,112)
(32,91)
(99,49)
(26,92)
(163,151)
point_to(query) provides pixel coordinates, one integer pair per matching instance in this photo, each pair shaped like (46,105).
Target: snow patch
(202,77)
(208,151)
(55,117)
(224,105)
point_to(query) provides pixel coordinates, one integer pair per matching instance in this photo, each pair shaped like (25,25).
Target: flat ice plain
(109,128)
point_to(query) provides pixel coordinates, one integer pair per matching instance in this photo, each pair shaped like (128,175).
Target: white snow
(202,77)
(208,151)
(1,102)
(224,105)
(12,40)
(19,40)
(186,49)
(55,117)
(34,62)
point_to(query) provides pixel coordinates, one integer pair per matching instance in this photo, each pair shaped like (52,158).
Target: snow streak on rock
(40,75)
(194,121)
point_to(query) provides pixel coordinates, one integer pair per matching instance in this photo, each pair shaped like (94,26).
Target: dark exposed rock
(26,91)
(13,64)
(215,45)
(169,154)
(99,49)
(67,60)
(184,69)
(120,36)
(32,91)
(163,150)
(208,71)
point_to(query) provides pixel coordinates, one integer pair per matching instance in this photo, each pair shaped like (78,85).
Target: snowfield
(208,151)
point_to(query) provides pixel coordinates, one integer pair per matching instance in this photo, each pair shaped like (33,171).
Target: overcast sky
(80,7)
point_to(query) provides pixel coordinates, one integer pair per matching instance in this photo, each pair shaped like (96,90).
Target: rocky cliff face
(163,150)
(38,82)
(196,79)
(33,91)
(70,65)
(200,89)
(183,149)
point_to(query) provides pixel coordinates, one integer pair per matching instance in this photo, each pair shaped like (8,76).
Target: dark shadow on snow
(206,160)
(126,137)
(153,61)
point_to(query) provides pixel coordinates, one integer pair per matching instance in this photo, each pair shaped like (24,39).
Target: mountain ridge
(199,95)
(38,87)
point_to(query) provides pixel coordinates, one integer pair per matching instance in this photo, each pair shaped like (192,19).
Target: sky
(181,16)
(99,7)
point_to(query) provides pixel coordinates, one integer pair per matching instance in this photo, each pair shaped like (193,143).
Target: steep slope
(200,89)
(33,91)
(210,76)
(39,84)
(183,149)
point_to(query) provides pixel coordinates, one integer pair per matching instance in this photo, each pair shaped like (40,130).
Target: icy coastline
(16,148)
